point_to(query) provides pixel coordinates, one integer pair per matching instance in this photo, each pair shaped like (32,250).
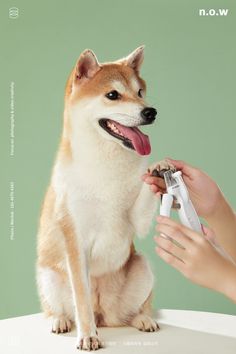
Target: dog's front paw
(89,343)
(159,168)
(145,323)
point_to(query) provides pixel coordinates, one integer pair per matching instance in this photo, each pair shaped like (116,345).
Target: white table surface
(185,332)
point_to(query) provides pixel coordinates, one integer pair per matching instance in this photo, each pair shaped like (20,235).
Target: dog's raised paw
(89,343)
(61,325)
(159,168)
(145,323)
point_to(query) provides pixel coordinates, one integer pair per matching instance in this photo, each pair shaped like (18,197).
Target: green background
(190,72)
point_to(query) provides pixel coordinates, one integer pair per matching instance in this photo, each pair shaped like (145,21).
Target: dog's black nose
(148,114)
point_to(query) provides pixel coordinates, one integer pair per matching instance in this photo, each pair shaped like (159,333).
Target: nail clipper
(177,191)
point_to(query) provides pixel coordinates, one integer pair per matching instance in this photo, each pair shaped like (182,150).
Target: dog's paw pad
(158,169)
(89,343)
(145,323)
(61,325)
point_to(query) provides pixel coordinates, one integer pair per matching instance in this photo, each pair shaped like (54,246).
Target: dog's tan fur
(121,293)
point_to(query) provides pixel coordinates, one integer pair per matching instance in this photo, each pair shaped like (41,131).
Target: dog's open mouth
(131,137)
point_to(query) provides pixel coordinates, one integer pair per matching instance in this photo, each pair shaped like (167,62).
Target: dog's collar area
(109,126)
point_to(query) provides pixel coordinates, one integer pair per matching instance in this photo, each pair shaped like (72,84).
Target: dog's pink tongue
(139,140)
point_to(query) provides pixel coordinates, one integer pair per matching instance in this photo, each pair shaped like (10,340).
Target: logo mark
(213,12)
(13,13)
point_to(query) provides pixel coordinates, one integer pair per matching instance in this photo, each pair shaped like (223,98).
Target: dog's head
(110,98)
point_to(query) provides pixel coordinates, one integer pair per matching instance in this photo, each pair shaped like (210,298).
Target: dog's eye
(140,93)
(113,95)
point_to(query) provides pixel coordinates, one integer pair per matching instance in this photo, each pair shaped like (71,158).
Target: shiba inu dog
(88,271)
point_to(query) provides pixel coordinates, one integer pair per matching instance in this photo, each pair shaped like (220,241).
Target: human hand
(194,256)
(204,192)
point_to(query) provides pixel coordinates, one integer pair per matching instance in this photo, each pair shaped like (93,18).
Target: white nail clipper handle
(188,216)
(187,213)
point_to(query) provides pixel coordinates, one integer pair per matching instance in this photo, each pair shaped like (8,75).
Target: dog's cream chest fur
(99,198)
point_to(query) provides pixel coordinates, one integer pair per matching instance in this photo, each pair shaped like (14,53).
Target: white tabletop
(182,332)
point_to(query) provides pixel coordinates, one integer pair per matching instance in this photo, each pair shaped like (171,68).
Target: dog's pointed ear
(134,59)
(87,65)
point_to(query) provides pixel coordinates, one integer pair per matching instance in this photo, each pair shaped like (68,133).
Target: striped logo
(13,13)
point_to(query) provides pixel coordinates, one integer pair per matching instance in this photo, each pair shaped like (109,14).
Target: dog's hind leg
(56,298)
(52,280)
(135,301)
(133,285)
(143,321)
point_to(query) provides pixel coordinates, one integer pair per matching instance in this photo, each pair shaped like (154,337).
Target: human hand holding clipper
(177,192)
(207,199)
(196,254)
(203,190)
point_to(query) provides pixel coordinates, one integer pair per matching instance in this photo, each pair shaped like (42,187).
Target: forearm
(223,222)
(228,285)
